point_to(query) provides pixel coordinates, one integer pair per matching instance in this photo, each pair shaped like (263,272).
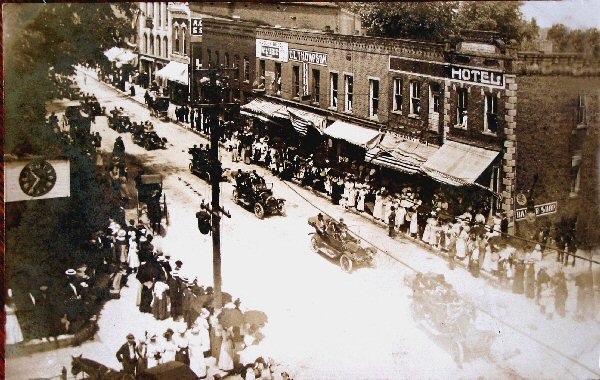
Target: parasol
(231,318)
(256,317)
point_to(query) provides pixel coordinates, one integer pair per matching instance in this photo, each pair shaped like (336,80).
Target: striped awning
(302,120)
(264,109)
(458,164)
(397,153)
(175,72)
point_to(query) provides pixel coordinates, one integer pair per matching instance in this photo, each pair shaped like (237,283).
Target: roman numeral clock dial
(37,178)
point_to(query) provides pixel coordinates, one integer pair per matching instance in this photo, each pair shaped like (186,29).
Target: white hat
(195,330)
(182,329)
(70,272)
(84,284)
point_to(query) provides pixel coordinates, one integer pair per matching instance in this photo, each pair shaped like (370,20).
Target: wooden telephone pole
(213,89)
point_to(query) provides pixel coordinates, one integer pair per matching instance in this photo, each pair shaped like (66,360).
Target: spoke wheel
(346,263)
(236,197)
(314,244)
(259,211)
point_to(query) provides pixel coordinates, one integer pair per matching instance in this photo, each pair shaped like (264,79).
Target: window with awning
(354,134)
(458,164)
(401,154)
(175,72)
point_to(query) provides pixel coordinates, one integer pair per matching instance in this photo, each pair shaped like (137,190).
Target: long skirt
(145,299)
(197,361)
(160,308)
(13,329)
(226,355)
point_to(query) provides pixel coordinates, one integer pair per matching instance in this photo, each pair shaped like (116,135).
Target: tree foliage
(566,40)
(43,38)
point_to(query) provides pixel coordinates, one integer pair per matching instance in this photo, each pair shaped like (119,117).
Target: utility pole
(215,83)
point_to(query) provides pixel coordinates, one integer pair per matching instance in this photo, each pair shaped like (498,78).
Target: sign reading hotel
(311,57)
(478,76)
(540,210)
(272,50)
(196,27)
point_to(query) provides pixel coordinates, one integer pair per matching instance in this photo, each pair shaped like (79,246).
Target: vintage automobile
(254,193)
(338,245)
(76,121)
(199,165)
(119,122)
(151,200)
(92,106)
(149,140)
(443,314)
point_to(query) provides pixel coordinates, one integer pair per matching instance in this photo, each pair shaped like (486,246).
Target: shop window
(246,69)
(415,98)
(316,86)
(296,81)
(278,77)
(575,173)
(349,88)
(373,97)
(461,108)
(397,101)
(491,113)
(236,64)
(333,79)
(176,47)
(580,110)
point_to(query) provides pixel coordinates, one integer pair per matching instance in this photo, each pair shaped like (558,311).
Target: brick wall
(547,137)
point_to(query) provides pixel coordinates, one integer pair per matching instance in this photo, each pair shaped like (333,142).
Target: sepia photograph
(287,190)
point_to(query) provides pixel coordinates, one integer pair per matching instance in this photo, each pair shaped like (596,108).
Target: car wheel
(314,244)
(346,263)
(236,197)
(458,353)
(259,211)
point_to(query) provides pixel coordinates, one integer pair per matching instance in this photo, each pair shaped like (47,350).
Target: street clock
(37,178)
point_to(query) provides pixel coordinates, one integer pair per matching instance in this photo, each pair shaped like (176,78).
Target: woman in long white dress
(461,244)
(226,354)
(197,361)
(377,208)
(360,201)
(13,328)
(155,352)
(169,347)
(414,227)
(400,215)
(134,261)
(352,195)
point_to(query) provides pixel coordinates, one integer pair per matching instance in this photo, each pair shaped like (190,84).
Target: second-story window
(333,85)
(575,173)
(217,58)
(349,87)
(236,64)
(491,113)
(461,108)
(165,47)
(145,42)
(246,69)
(397,100)
(263,72)
(296,81)
(227,63)
(415,98)
(580,110)
(373,97)
(183,42)
(158,47)
(176,47)
(151,51)
(316,85)
(278,78)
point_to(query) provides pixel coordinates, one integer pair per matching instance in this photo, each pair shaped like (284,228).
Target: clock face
(37,178)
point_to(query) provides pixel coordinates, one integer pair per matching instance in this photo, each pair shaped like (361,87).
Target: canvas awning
(354,134)
(120,55)
(263,109)
(175,72)
(397,153)
(301,120)
(127,57)
(113,53)
(458,164)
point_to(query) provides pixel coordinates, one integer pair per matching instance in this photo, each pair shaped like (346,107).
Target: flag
(300,124)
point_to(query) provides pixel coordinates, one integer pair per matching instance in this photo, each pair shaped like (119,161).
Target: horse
(95,370)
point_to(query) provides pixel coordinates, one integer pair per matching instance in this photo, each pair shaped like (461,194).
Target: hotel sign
(272,50)
(540,210)
(312,57)
(479,76)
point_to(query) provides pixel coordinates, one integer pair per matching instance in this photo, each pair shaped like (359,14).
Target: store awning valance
(354,134)
(112,53)
(397,153)
(458,164)
(120,55)
(127,57)
(302,120)
(264,110)
(175,72)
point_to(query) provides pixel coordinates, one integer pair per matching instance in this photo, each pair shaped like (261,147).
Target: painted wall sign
(305,79)
(311,57)
(196,27)
(440,70)
(540,210)
(272,50)
(477,47)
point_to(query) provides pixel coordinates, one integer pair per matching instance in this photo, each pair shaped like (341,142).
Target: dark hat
(130,336)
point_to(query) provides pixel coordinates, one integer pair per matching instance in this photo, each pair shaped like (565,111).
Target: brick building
(469,112)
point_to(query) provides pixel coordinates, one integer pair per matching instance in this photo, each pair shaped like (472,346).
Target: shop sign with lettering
(196,27)
(540,210)
(311,57)
(272,50)
(305,79)
(478,76)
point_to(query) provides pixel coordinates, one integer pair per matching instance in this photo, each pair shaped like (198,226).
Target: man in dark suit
(127,355)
